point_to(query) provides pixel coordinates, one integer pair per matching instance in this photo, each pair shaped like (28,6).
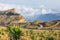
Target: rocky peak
(10,11)
(11,17)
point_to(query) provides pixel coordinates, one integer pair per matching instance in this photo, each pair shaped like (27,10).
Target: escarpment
(8,17)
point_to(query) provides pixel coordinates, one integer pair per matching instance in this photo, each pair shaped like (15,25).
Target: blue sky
(54,4)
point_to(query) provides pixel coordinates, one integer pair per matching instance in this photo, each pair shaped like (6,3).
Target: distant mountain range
(48,17)
(10,17)
(31,14)
(44,14)
(41,14)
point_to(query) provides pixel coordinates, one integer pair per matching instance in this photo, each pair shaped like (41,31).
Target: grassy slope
(31,34)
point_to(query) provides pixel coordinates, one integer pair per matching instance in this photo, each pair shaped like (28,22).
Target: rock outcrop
(9,17)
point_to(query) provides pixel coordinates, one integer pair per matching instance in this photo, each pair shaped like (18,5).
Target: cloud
(46,11)
(27,11)
(20,9)
(5,6)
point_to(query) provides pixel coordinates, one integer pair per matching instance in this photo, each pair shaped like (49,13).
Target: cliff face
(9,17)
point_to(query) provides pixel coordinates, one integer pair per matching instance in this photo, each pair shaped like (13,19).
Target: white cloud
(5,6)
(44,11)
(26,11)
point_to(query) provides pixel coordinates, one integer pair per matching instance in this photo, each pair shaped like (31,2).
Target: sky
(33,8)
(54,4)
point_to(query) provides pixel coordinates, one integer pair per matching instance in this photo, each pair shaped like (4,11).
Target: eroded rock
(9,17)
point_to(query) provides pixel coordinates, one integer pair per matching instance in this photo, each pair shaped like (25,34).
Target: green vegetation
(36,30)
(33,35)
(42,35)
(16,32)
(50,37)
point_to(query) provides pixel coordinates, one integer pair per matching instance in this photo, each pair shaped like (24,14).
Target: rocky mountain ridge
(55,24)
(10,16)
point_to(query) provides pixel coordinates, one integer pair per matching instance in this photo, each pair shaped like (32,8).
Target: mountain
(31,14)
(45,14)
(38,24)
(48,17)
(10,17)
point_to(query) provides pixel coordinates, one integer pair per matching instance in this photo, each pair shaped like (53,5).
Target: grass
(17,33)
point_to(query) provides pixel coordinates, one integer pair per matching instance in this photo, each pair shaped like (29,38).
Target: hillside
(16,33)
(10,17)
(13,26)
(55,24)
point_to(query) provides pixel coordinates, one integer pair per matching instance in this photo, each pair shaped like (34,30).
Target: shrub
(27,33)
(50,38)
(33,35)
(42,35)
(16,32)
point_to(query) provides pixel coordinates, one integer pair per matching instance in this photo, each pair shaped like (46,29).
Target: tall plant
(33,35)
(16,32)
(50,37)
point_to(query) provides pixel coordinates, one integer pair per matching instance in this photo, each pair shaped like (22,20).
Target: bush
(42,35)
(16,32)
(50,38)
(33,35)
